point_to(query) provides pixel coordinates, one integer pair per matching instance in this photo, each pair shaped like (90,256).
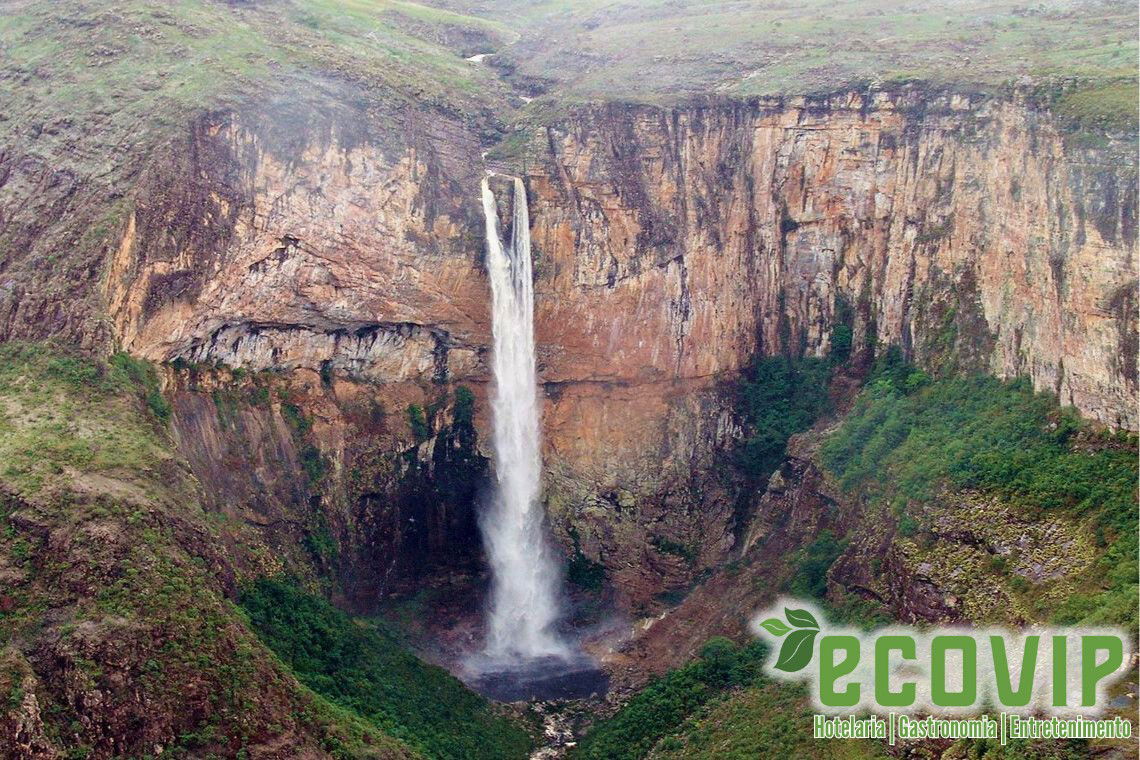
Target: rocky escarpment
(331,479)
(330,267)
(958,227)
(677,244)
(936,576)
(671,246)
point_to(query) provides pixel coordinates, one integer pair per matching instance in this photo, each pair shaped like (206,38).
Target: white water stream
(524,595)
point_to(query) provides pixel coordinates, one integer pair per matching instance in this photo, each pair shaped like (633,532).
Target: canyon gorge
(305,278)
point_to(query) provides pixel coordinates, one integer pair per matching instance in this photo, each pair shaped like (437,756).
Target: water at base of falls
(541,678)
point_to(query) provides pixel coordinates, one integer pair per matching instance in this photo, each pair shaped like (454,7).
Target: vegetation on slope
(115,635)
(920,446)
(364,669)
(718,706)
(109,598)
(137,65)
(779,397)
(766,720)
(663,707)
(665,49)
(1110,105)
(909,437)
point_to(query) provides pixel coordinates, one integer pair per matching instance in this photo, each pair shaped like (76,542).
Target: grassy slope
(91,83)
(131,64)
(718,706)
(364,669)
(767,720)
(660,49)
(109,597)
(112,597)
(121,66)
(775,720)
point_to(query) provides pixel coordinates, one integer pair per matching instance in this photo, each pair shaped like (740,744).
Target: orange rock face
(675,245)
(679,243)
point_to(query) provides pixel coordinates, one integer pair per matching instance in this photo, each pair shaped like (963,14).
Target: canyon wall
(677,244)
(671,246)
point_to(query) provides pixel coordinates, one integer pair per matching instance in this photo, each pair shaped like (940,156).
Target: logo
(901,670)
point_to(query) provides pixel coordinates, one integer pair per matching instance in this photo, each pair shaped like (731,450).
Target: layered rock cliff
(677,244)
(671,247)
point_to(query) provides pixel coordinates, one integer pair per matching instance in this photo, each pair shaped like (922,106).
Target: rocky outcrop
(972,564)
(799,503)
(331,479)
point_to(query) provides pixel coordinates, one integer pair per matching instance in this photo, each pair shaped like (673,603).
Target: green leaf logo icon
(800,633)
(797,650)
(775,626)
(801,618)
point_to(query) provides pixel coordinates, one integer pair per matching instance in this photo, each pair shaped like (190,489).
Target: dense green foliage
(779,397)
(908,436)
(665,704)
(770,720)
(145,378)
(811,576)
(418,423)
(360,667)
(464,414)
(1021,749)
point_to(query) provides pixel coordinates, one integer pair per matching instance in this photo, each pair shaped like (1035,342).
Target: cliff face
(671,246)
(680,242)
(332,262)
(311,242)
(674,245)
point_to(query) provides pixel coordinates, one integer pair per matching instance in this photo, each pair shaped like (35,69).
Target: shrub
(677,549)
(817,558)
(313,464)
(779,397)
(296,419)
(143,376)
(585,573)
(582,571)
(667,703)
(418,422)
(464,414)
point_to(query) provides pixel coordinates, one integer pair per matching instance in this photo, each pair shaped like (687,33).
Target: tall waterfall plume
(524,595)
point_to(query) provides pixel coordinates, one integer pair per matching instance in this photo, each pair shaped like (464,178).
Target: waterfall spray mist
(524,596)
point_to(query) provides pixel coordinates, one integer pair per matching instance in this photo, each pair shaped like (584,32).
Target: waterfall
(524,595)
